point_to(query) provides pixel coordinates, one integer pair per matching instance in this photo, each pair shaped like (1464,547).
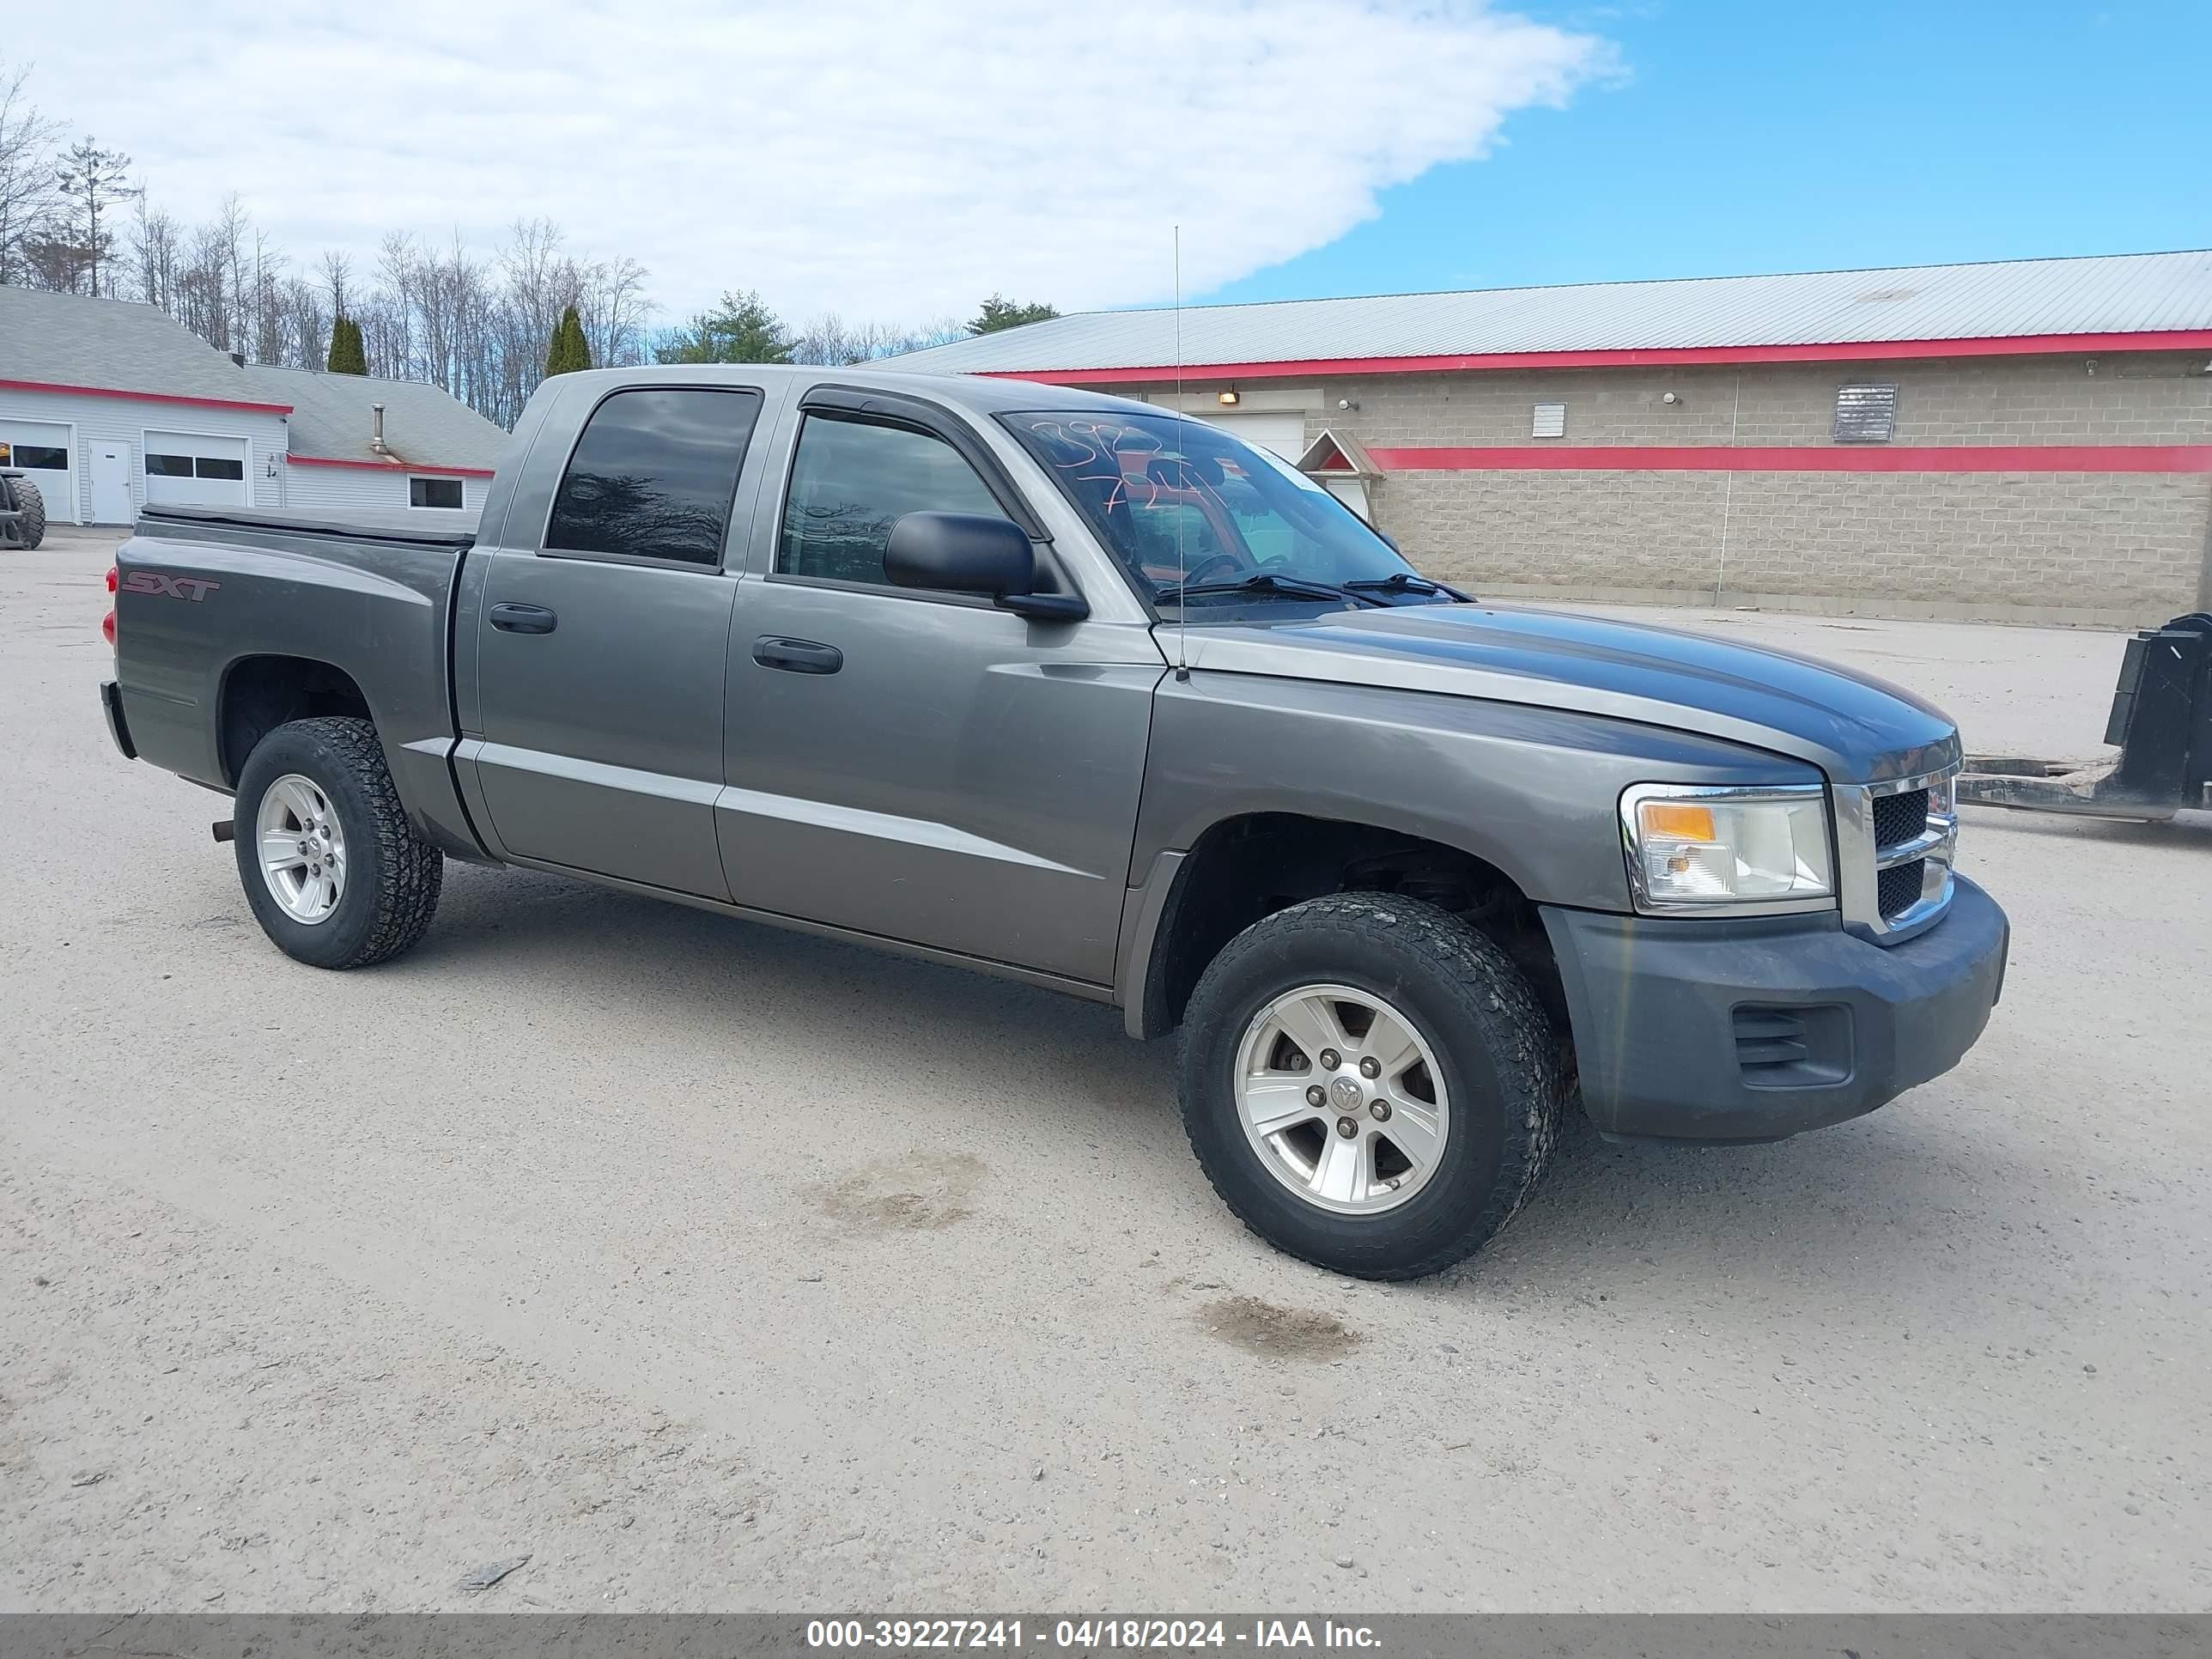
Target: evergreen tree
(741,329)
(569,350)
(347,354)
(999,313)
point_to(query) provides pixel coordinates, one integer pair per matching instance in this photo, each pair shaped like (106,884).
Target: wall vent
(1550,421)
(1865,414)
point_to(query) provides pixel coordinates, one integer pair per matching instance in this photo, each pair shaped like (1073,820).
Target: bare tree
(91,181)
(27,172)
(612,303)
(338,280)
(268,308)
(829,341)
(306,326)
(154,254)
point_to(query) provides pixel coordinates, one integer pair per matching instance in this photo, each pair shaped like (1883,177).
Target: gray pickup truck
(1065,688)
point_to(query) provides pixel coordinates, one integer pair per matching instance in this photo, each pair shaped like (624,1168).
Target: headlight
(1692,848)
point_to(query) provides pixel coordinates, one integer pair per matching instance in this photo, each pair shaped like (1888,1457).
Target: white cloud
(883,159)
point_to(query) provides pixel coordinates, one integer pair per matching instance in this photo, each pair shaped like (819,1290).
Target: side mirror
(974,553)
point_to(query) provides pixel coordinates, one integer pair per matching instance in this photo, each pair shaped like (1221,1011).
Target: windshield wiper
(1266,584)
(1405,581)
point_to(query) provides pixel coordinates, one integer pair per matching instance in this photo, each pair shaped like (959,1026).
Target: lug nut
(1316,1096)
(1370,1067)
(1330,1059)
(1380,1111)
(1347,1126)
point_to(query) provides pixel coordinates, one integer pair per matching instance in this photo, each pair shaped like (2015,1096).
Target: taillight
(114,577)
(107,622)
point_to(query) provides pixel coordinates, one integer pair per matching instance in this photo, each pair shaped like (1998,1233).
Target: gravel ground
(713,1267)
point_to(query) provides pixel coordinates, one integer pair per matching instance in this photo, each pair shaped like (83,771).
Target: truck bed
(455,530)
(229,619)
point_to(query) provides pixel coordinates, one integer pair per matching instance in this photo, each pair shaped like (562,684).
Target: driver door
(918,765)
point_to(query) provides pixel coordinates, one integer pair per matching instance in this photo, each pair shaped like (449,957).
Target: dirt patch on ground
(918,1192)
(1264,1328)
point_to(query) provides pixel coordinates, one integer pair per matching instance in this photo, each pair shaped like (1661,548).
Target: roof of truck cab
(977,393)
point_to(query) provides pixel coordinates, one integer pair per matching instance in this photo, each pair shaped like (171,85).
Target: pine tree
(347,354)
(1001,313)
(569,349)
(742,329)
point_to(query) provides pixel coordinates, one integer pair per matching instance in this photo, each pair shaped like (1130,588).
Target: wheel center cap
(1344,1094)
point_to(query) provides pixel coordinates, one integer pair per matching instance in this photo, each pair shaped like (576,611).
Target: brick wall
(2120,547)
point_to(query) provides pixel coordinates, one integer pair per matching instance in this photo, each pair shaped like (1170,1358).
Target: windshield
(1187,506)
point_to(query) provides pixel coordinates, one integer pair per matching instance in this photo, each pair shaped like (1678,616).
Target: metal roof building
(2029,439)
(2020,305)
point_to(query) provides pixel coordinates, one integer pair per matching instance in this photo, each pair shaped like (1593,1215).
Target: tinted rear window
(653,475)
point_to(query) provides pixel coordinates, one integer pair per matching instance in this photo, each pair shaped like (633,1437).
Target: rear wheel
(1370,1083)
(335,873)
(33,506)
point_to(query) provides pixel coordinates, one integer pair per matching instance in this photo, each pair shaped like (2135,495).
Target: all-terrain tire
(1493,1040)
(393,876)
(32,504)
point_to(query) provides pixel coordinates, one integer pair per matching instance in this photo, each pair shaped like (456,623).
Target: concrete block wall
(2133,397)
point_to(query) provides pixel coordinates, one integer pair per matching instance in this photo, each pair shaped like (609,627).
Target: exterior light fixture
(1227,399)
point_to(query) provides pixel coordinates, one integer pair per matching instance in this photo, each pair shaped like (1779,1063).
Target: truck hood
(1855,728)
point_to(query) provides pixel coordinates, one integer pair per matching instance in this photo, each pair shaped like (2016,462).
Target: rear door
(602,645)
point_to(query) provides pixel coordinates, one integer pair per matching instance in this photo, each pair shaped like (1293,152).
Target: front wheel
(335,873)
(1370,1083)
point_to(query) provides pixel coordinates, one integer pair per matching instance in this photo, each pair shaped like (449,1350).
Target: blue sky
(999,145)
(1792,136)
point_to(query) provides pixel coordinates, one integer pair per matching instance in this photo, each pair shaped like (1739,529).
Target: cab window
(852,480)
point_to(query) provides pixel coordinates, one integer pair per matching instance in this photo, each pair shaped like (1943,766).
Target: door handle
(800,656)
(523,619)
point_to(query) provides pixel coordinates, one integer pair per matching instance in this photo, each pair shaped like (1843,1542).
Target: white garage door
(187,469)
(40,451)
(1285,435)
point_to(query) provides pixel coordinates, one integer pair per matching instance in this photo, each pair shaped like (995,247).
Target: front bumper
(1758,1029)
(111,700)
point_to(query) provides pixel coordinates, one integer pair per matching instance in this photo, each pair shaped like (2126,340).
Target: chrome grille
(1894,844)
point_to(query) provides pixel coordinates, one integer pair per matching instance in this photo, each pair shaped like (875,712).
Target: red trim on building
(1872,458)
(145,396)
(392,466)
(2020,345)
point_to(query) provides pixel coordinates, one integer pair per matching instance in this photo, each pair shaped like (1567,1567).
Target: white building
(111,405)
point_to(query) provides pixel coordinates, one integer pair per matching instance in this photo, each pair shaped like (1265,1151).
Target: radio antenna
(1182,605)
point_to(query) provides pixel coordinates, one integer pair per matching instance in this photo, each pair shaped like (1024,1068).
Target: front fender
(1533,792)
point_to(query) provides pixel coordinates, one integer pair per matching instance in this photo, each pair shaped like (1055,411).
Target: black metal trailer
(2161,719)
